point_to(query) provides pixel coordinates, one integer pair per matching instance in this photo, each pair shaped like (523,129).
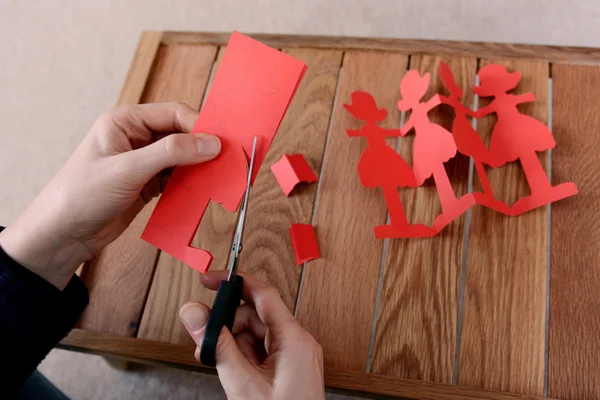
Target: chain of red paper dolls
(515,136)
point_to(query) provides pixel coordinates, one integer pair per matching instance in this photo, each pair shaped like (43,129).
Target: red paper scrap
(291,170)
(250,94)
(516,136)
(381,166)
(304,242)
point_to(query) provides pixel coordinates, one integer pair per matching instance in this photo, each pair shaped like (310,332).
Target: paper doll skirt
(384,167)
(511,141)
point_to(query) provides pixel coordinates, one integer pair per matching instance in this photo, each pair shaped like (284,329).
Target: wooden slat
(268,253)
(503,328)
(338,292)
(182,356)
(140,67)
(574,368)
(416,326)
(433,47)
(119,278)
(175,283)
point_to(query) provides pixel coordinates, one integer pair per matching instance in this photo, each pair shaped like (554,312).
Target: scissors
(229,294)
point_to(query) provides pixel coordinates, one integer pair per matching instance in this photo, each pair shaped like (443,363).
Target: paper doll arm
(524,98)
(392,132)
(433,102)
(354,132)
(483,111)
(407,127)
(446,100)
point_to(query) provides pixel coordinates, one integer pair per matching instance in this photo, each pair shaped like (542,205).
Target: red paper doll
(517,136)
(380,165)
(466,138)
(433,146)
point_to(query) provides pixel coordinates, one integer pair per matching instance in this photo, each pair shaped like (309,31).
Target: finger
(176,149)
(230,359)
(194,316)
(247,320)
(247,344)
(269,306)
(155,117)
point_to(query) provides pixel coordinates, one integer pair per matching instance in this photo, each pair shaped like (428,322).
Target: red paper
(466,138)
(291,170)
(249,96)
(516,136)
(433,146)
(381,166)
(304,242)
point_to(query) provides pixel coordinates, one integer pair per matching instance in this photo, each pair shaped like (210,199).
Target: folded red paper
(250,94)
(304,242)
(290,170)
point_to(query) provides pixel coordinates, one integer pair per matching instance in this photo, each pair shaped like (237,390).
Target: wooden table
(494,307)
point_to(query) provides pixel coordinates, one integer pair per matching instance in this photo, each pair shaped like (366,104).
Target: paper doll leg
(399,227)
(537,178)
(174,223)
(542,191)
(452,207)
(485,182)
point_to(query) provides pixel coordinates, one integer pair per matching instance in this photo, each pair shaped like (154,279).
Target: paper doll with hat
(380,165)
(433,147)
(516,136)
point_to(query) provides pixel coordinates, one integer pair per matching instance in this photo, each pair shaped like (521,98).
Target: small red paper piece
(433,146)
(516,136)
(304,242)
(381,166)
(290,170)
(250,94)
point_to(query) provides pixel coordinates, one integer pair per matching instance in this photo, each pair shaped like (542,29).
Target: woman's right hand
(268,355)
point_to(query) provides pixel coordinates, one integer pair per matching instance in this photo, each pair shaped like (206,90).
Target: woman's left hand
(113,173)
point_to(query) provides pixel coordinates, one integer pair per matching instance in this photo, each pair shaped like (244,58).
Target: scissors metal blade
(239,230)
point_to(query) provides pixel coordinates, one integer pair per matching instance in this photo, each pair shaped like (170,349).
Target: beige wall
(63,62)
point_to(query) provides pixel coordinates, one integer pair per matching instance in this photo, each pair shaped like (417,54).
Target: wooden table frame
(88,339)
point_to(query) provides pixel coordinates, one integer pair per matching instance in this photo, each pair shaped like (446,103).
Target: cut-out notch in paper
(304,242)
(249,96)
(290,170)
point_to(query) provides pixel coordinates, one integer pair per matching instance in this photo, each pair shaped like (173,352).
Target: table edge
(440,47)
(149,351)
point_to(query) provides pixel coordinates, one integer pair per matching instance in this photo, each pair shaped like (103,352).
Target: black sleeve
(34,317)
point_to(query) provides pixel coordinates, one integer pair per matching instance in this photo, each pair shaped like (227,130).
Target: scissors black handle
(223,311)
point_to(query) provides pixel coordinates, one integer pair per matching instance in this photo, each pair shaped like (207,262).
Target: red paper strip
(249,96)
(304,242)
(290,170)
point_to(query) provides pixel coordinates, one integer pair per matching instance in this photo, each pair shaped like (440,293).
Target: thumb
(172,150)
(231,362)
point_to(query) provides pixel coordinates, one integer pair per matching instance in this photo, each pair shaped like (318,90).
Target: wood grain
(119,277)
(175,283)
(268,251)
(503,327)
(139,70)
(338,292)
(416,326)
(415,46)
(148,351)
(574,343)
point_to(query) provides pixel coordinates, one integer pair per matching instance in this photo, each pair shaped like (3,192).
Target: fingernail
(208,145)
(194,316)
